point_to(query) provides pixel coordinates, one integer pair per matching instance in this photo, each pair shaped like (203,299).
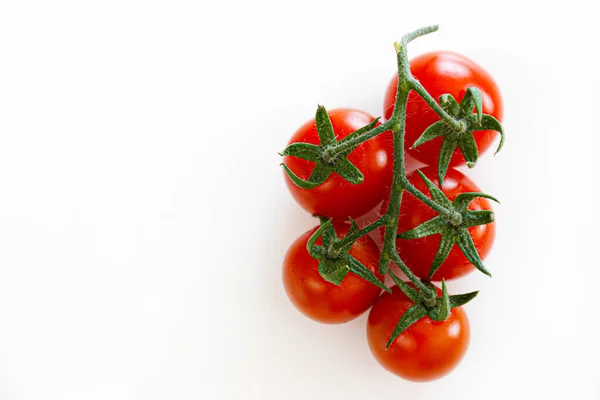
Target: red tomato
(425,351)
(418,254)
(444,72)
(323,301)
(336,197)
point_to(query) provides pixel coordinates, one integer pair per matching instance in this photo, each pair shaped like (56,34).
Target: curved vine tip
(409,37)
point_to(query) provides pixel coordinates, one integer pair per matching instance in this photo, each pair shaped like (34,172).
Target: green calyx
(335,263)
(437,308)
(326,159)
(453,230)
(460,137)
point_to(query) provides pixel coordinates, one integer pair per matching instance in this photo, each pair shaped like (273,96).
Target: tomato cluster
(428,348)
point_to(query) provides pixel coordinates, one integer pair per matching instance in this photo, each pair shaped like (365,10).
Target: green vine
(458,121)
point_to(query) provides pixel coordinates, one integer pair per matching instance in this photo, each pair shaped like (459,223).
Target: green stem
(431,102)
(348,145)
(423,288)
(452,215)
(389,251)
(406,82)
(409,37)
(397,124)
(351,238)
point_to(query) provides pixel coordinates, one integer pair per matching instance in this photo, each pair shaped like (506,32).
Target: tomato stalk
(457,124)
(397,124)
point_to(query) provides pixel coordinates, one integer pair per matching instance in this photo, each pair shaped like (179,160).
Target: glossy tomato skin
(444,72)
(323,301)
(418,254)
(427,350)
(336,197)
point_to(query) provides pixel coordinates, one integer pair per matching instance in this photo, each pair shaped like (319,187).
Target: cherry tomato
(425,351)
(418,254)
(444,72)
(323,301)
(336,197)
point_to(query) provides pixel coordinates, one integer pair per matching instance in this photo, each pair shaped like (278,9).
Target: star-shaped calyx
(335,263)
(453,231)
(437,308)
(325,163)
(463,138)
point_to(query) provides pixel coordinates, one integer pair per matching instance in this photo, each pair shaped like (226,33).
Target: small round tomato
(336,197)
(444,72)
(418,254)
(323,301)
(426,350)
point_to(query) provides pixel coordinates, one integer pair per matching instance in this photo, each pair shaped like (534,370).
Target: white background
(144,218)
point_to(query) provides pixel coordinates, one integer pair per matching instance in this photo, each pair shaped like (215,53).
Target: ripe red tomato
(336,197)
(444,72)
(425,351)
(323,301)
(418,254)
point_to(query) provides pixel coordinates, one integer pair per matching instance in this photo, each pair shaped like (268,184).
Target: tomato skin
(323,301)
(418,254)
(444,72)
(427,350)
(336,197)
